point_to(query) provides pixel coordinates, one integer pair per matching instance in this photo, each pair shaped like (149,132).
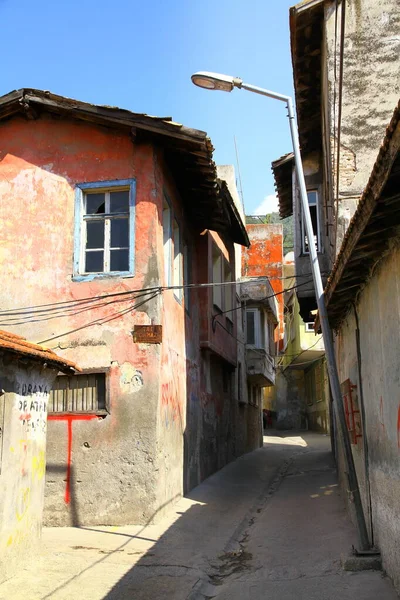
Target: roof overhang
(188,152)
(306,37)
(282,169)
(19,348)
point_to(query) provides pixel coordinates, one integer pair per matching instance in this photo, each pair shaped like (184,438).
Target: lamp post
(226,83)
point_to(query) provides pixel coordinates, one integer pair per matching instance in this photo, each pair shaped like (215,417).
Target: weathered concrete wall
(371,89)
(128,466)
(114,473)
(290,401)
(378,308)
(317,397)
(23,418)
(174,382)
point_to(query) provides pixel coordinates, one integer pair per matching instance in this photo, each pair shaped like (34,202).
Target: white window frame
(81,192)
(309,326)
(303,229)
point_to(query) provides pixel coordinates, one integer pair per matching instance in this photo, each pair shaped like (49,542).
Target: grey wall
(379,316)
(371,89)
(23,414)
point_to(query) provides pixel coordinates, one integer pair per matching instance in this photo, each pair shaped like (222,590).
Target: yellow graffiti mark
(20,533)
(23,503)
(39,465)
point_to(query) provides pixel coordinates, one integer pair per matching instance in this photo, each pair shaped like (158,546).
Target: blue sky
(140,55)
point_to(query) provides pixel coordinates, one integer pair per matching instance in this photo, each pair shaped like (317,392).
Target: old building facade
(363,307)
(345,94)
(345,64)
(112,205)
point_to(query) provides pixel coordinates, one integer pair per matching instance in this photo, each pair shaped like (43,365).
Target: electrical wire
(70,311)
(64,308)
(102,320)
(294,356)
(223,312)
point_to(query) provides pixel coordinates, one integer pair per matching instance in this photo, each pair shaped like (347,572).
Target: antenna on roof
(240,178)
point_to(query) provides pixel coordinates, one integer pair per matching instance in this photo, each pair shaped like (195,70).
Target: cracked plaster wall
(378,307)
(371,89)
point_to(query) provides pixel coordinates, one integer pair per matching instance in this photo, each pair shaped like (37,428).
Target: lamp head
(216,81)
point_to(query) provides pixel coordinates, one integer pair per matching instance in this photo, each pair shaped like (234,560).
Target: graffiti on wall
(27,449)
(69,420)
(173,389)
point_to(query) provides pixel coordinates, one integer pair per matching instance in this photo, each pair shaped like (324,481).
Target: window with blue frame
(104,228)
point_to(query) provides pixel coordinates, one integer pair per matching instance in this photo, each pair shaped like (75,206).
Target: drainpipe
(364,427)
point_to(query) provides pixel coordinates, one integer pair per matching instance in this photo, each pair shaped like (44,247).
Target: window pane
(314,221)
(251,334)
(95,234)
(217,278)
(119,202)
(167,241)
(95,204)
(94,262)
(312,198)
(119,260)
(119,233)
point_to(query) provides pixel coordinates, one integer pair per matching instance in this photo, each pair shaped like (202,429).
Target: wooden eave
(282,169)
(375,222)
(306,35)
(188,152)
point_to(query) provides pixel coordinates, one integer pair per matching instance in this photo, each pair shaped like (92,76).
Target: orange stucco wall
(264,258)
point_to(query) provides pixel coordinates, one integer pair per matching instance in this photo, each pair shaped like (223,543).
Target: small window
(187,277)
(254,328)
(314,212)
(217,278)
(251,327)
(310,327)
(83,393)
(167,241)
(104,228)
(177,273)
(228,290)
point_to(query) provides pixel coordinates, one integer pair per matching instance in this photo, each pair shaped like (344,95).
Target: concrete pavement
(271,525)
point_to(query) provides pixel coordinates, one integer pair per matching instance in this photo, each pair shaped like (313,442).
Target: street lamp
(226,83)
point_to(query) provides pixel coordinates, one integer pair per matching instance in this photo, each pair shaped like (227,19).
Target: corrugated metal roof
(15,344)
(374,223)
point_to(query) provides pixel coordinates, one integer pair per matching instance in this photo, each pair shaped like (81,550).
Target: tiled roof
(10,342)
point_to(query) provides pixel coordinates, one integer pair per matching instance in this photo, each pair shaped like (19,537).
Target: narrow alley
(270,525)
